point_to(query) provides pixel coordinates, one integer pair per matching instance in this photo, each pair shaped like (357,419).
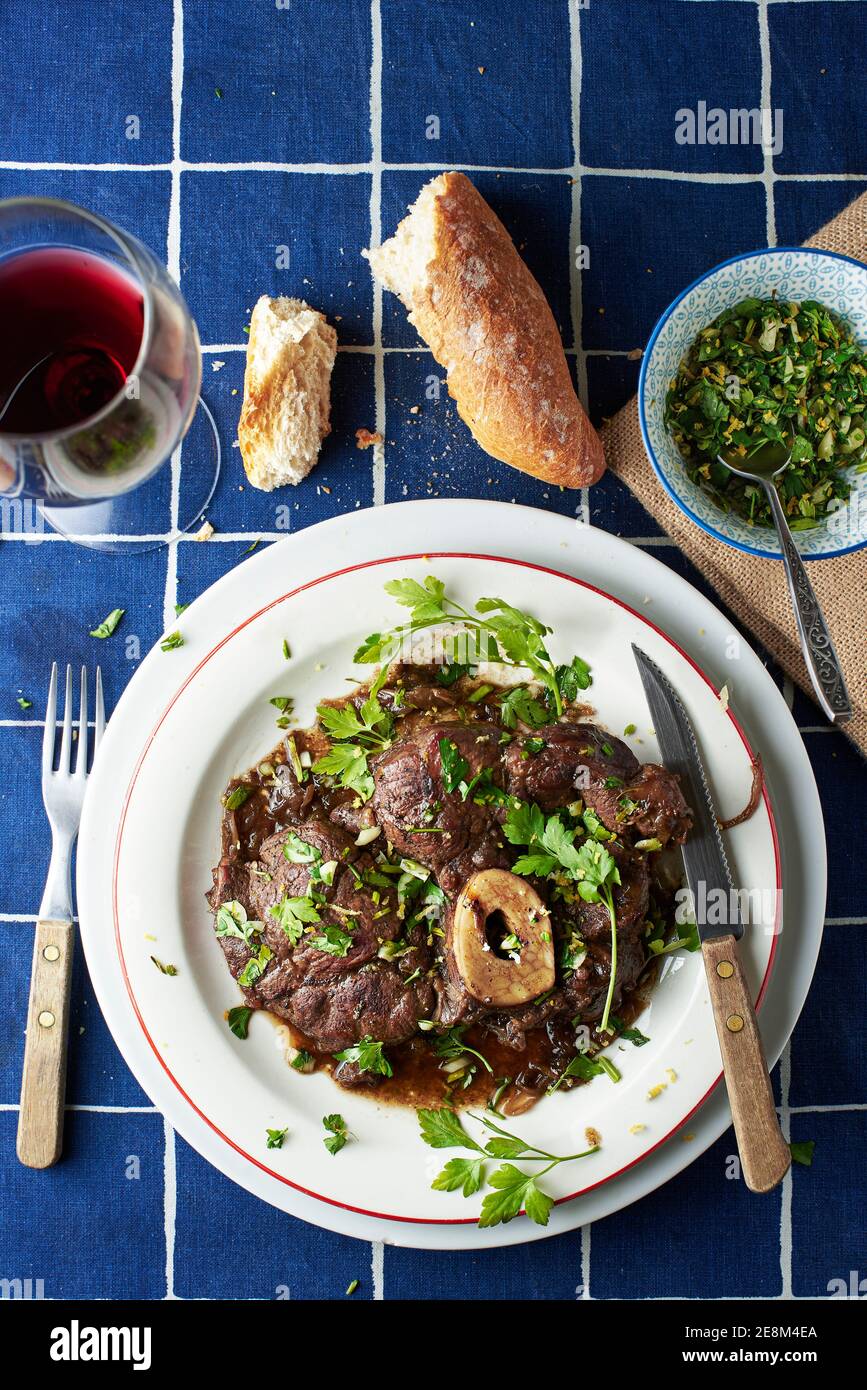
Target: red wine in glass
(73,324)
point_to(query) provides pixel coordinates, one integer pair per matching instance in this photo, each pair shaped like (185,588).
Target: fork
(43,1083)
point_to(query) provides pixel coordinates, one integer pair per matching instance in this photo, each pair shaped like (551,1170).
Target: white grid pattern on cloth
(375,167)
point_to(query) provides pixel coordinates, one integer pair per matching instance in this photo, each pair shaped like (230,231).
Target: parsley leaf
(354,733)
(297,851)
(572,678)
(255,966)
(368,1056)
(519,704)
(442,1129)
(348,763)
(290,914)
(454,766)
(335,1140)
(465,1174)
(276,1137)
(238,1020)
(802,1151)
(514,1190)
(231,920)
(334,941)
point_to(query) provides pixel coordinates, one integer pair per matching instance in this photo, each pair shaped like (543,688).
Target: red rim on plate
(311,584)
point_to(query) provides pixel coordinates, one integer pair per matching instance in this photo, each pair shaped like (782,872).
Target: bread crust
(488,323)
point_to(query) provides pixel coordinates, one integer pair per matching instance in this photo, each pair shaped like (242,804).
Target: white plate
(190,720)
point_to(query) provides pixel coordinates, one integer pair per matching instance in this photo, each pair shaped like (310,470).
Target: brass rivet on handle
(725,969)
(734,1023)
(46,1019)
(51,953)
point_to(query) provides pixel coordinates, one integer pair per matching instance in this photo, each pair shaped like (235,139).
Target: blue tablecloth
(307,124)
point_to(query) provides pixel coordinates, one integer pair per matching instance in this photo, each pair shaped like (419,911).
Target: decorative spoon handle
(822,662)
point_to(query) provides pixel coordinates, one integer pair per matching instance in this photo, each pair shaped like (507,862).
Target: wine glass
(100,369)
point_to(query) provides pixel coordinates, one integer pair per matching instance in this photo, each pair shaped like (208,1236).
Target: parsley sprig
(551,849)
(513,1190)
(355,733)
(496,631)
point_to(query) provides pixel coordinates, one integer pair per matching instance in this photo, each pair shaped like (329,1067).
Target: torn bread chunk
(483,315)
(287,391)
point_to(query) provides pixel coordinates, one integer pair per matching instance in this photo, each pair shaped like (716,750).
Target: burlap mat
(754,589)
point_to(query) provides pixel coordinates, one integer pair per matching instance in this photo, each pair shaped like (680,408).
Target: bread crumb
(592,1136)
(206,532)
(635,355)
(687,1138)
(415,409)
(724,699)
(364,438)
(481,70)
(216,366)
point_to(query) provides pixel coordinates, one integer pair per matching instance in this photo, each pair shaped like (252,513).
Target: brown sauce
(419,1078)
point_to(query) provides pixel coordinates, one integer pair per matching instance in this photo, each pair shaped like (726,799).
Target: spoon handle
(822,662)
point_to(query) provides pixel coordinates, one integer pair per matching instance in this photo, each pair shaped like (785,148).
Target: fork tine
(100,711)
(50,724)
(66,741)
(81,750)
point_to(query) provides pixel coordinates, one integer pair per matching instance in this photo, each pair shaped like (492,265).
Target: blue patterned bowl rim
(643,406)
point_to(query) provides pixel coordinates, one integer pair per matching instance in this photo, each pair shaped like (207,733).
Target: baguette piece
(483,315)
(287,391)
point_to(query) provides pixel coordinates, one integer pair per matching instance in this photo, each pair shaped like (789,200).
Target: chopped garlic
(636,1129)
(657,1090)
(671,1074)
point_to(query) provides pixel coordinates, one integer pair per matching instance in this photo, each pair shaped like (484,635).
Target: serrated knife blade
(708,875)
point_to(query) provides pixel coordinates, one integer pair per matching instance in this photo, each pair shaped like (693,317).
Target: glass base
(155,514)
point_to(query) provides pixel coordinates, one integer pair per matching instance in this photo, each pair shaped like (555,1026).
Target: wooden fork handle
(43,1084)
(765,1156)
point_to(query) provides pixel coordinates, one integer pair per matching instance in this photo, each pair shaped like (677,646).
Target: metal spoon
(766,465)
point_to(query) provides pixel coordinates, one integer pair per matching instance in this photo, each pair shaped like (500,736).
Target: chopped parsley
(164,969)
(802,1151)
(108,625)
(172,642)
(238,1020)
(368,1056)
(354,733)
(291,915)
(454,767)
(236,797)
(275,1137)
(255,966)
(338,1133)
(333,940)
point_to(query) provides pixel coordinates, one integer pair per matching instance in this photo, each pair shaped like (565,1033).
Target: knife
(765,1156)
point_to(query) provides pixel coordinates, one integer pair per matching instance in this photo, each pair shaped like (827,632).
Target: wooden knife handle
(765,1155)
(43,1084)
